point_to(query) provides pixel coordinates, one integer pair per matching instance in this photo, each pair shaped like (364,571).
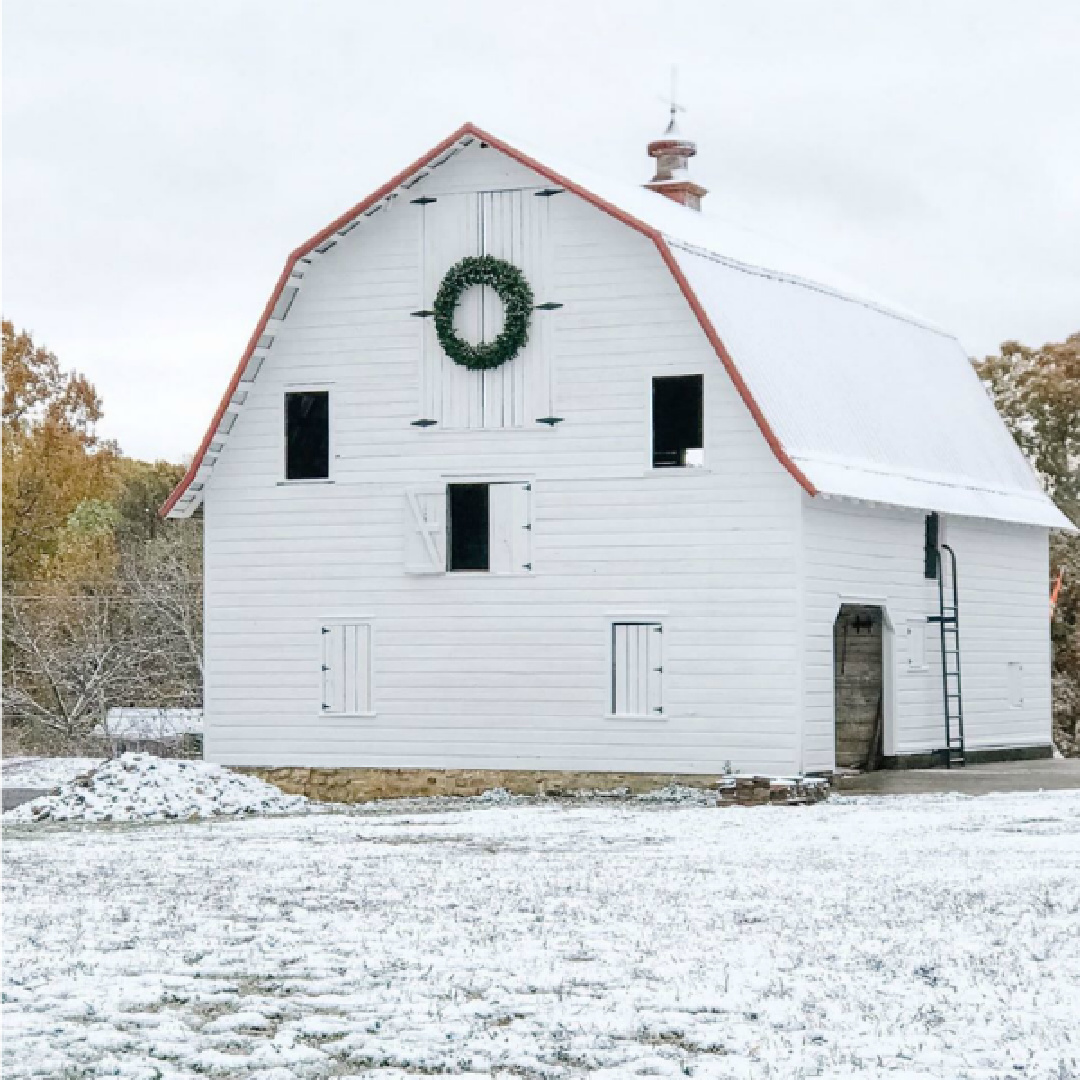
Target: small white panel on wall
(510,510)
(1014,678)
(510,225)
(424,524)
(346,668)
(915,633)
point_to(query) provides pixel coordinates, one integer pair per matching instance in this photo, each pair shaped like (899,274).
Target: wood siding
(501,671)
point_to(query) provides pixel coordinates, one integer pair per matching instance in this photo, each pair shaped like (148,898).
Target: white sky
(161,158)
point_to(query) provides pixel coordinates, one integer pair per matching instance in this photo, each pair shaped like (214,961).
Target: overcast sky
(161,158)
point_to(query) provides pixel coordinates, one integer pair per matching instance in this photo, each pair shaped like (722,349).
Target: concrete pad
(1048,774)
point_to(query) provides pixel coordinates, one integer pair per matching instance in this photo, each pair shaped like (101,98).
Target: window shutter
(346,668)
(932,540)
(637,669)
(511,528)
(654,660)
(333,681)
(522,531)
(424,521)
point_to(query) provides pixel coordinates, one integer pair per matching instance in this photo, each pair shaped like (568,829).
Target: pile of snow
(141,787)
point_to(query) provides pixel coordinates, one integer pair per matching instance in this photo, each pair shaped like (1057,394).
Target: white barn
(691,525)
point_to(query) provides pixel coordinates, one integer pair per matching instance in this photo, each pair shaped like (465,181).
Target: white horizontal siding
(1005,618)
(855,553)
(502,671)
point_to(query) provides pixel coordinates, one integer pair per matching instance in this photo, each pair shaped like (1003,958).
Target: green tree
(143,487)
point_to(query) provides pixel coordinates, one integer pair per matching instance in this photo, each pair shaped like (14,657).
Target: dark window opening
(307,435)
(678,430)
(931,553)
(468,527)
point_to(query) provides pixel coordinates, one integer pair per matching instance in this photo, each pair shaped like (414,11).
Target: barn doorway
(859,685)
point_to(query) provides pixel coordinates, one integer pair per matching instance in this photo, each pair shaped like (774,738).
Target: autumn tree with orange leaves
(53,459)
(102,600)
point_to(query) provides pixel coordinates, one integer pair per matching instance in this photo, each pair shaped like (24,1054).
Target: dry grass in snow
(904,937)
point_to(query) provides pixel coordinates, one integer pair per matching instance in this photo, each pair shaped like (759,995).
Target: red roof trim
(601,204)
(290,262)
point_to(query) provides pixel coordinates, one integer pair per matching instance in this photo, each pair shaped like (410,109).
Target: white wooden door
(510,225)
(346,668)
(637,669)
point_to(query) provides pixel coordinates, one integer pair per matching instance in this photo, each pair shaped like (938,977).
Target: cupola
(673,152)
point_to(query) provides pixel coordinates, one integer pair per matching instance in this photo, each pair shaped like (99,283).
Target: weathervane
(672,102)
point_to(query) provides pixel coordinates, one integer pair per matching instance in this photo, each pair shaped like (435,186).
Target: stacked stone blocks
(348,785)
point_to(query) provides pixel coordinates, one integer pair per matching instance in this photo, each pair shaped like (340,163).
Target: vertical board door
(509,225)
(346,668)
(636,669)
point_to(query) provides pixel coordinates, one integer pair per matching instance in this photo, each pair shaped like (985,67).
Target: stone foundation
(349,785)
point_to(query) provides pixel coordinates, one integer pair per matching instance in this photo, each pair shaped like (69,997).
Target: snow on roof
(868,405)
(856,397)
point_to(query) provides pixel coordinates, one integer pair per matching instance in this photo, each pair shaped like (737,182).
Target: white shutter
(424,524)
(916,644)
(346,668)
(1015,681)
(510,509)
(333,682)
(636,669)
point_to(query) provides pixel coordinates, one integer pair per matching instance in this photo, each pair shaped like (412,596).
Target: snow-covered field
(909,937)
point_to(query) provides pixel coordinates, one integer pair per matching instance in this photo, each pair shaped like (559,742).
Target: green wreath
(513,290)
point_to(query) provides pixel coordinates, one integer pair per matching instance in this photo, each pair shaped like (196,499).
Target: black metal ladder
(949,621)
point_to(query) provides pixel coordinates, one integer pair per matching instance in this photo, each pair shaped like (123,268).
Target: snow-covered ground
(44,772)
(933,936)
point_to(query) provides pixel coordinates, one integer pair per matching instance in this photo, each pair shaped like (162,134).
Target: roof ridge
(807,283)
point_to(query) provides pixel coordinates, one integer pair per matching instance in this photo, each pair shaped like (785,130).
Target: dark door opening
(858,679)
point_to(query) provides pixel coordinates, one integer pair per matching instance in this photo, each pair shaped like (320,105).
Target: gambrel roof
(856,398)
